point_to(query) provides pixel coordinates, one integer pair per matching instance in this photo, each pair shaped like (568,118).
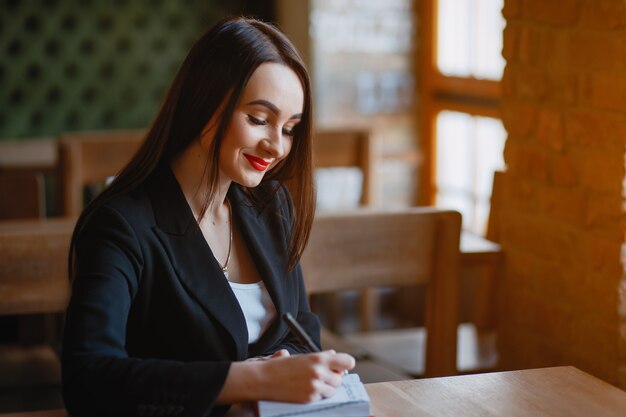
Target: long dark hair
(211,79)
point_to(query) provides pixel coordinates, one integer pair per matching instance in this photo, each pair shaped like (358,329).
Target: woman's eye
(256,121)
(288,132)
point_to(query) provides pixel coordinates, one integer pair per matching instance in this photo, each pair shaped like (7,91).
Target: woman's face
(260,133)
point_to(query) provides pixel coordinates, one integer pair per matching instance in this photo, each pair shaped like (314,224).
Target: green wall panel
(96,64)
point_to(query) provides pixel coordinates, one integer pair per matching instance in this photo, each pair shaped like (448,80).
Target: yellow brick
(526,44)
(604,209)
(608,91)
(512,9)
(603,15)
(510,39)
(530,83)
(564,204)
(538,164)
(594,343)
(597,296)
(558,13)
(519,118)
(594,50)
(564,170)
(542,47)
(562,87)
(558,242)
(595,128)
(564,107)
(601,170)
(550,131)
(521,194)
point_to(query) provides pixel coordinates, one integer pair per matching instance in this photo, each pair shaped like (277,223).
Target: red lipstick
(257,163)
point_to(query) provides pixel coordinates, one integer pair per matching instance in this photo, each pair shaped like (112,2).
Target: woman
(182,267)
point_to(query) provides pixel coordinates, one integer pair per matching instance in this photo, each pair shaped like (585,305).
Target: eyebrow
(272,107)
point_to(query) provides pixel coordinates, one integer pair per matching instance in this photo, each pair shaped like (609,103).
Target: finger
(283,353)
(333,379)
(326,390)
(340,362)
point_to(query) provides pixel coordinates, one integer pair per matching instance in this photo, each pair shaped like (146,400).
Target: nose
(274,144)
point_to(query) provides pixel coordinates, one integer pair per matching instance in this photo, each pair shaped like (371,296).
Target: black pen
(302,335)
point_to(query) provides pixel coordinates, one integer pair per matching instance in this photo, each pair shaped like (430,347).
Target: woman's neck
(190,169)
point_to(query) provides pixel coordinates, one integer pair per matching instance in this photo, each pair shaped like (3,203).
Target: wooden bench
(33,280)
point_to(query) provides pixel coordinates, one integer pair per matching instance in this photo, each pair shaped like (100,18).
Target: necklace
(230,242)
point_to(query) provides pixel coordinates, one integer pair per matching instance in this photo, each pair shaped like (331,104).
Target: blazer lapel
(192,259)
(269,251)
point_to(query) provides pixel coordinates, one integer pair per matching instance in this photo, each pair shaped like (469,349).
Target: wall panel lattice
(93,64)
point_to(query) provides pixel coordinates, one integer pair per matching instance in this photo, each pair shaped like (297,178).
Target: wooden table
(560,391)
(478,250)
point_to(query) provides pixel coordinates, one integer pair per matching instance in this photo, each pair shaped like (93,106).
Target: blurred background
(93,65)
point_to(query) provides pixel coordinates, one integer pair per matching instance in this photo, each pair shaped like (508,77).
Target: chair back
(33,266)
(21,195)
(348,148)
(367,249)
(90,158)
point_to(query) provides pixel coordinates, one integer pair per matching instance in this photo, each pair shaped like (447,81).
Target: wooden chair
(21,195)
(479,268)
(29,155)
(353,148)
(333,148)
(34,164)
(33,280)
(90,158)
(368,249)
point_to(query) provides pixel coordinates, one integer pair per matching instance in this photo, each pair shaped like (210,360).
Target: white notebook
(351,400)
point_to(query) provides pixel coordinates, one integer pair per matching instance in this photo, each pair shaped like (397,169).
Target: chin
(250,182)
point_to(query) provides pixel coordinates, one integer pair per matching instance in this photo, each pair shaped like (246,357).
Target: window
(461,133)
(469,151)
(361,62)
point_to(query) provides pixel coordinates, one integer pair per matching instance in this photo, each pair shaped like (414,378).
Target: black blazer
(153,326)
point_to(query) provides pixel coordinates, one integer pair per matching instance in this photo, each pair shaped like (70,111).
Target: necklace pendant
(225,271)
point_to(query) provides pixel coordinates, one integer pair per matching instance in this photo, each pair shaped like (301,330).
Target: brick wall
(564,107)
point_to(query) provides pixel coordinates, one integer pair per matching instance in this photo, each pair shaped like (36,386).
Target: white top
(257,307)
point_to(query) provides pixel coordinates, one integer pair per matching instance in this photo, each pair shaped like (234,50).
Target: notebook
(351,400)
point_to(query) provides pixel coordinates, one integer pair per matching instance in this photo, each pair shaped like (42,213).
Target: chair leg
(368,309)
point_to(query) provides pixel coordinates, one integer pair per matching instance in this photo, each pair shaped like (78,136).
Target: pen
(301,334)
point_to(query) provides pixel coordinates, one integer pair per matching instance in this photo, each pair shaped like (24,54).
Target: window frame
(437,92)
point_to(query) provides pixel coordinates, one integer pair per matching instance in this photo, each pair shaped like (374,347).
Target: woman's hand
(281,377)
(304,378)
